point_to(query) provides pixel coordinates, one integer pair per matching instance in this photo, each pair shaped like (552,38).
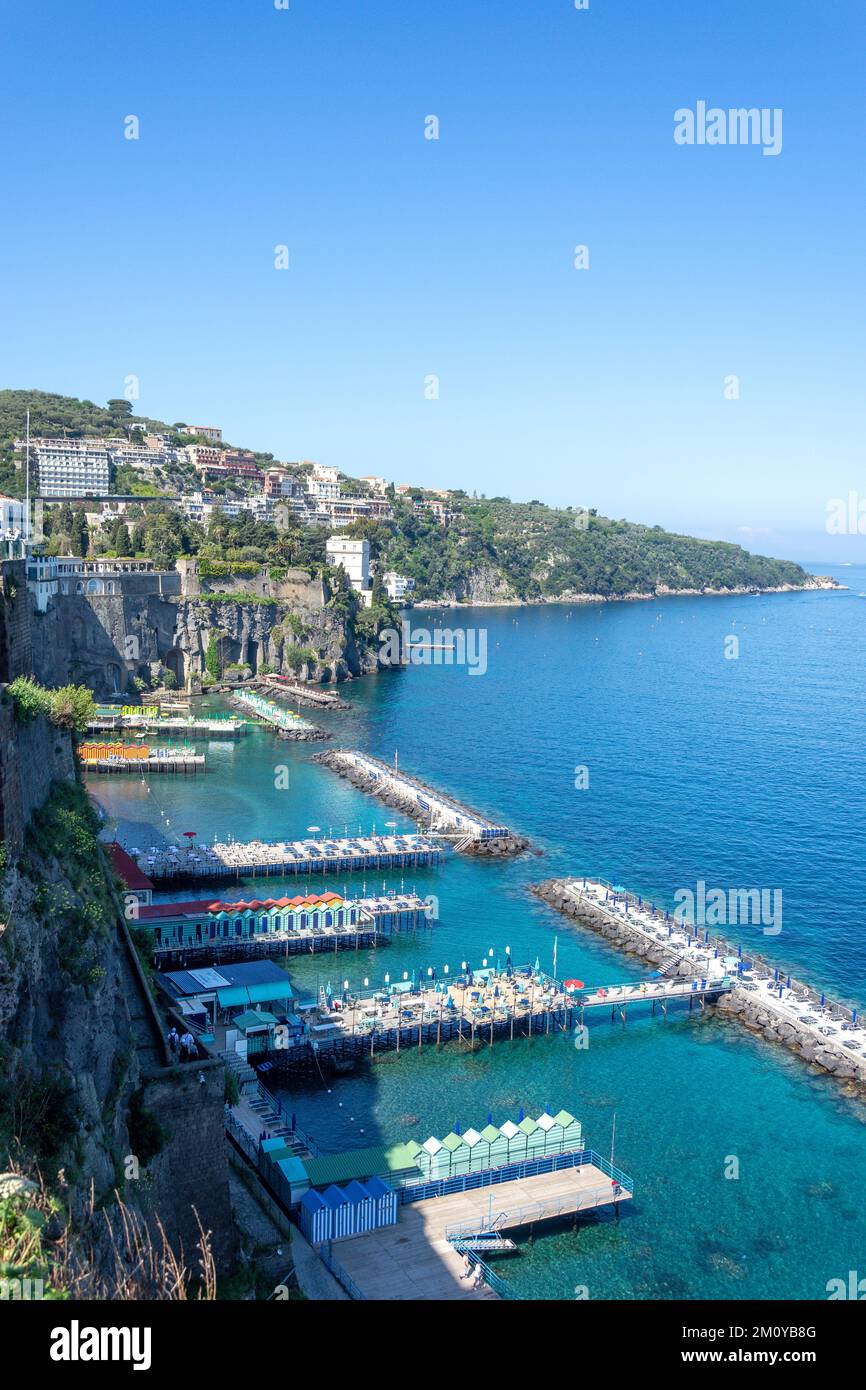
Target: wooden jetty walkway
(305,694)
(422,1257)
(260,859)
(157,761)
(472,832)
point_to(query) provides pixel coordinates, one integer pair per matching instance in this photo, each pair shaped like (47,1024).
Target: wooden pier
(181,763)
(305,694)
(147,727)
(261,859)
(419,1258)
(494,1007)
(380,924)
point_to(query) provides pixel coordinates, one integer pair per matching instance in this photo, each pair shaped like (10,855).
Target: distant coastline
(816,581)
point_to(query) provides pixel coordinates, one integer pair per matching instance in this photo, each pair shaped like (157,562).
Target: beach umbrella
(789,982)
(520,1116)
(822,1000)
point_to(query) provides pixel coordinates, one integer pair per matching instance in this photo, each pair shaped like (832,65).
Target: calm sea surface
(742,773)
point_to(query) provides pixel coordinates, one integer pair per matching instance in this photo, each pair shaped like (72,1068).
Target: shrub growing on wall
(71,707)
(212,659)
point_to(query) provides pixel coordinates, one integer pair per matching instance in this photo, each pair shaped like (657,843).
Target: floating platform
(470,831)
(210,728)
(261,859)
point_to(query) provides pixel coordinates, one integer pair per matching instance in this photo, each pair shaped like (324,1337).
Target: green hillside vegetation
(540,552)
(522,550)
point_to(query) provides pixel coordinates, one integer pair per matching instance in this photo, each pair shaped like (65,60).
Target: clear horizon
(409,257)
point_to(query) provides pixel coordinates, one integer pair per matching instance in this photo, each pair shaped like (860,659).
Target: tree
(212,657)
(119,407)
(79,537)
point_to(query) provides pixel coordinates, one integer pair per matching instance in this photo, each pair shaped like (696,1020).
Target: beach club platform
(260,859)
(421,1257)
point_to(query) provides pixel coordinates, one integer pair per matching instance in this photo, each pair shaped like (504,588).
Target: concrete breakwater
(471,831)
(309,696)
(763,997)
(288,725)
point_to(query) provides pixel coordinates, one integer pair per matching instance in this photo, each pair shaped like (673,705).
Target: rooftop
(127,869)
(199,907)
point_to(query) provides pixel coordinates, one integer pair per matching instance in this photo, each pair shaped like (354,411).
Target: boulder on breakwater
(742,1003)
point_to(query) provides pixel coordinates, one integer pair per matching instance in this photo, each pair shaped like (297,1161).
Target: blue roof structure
(257,977)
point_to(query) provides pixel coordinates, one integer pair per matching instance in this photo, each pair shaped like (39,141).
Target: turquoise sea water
(746,772)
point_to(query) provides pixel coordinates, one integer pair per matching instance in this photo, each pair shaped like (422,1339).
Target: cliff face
(106,639)
(85,1095)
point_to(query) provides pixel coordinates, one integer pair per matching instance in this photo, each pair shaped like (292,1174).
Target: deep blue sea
(746,772)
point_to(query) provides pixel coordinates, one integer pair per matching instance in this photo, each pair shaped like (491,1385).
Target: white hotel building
(354,556)
(72,467)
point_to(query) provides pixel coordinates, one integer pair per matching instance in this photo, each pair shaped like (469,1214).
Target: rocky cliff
(105,639)
(86,1097)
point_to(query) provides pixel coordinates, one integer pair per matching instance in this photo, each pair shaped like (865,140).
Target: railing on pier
(491,1278)
(326,1254)
(512,1172)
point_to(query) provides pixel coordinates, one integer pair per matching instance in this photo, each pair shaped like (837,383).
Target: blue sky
(410,257)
